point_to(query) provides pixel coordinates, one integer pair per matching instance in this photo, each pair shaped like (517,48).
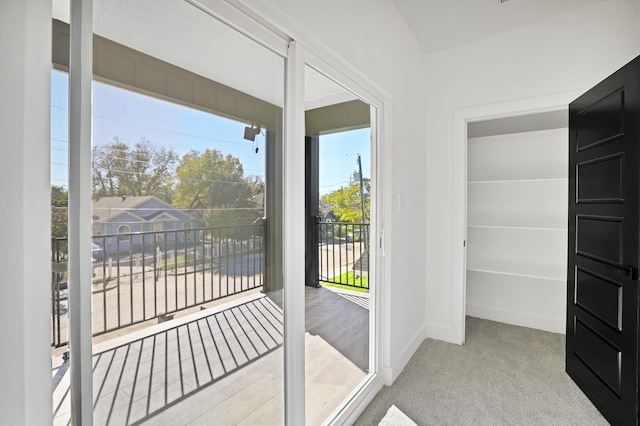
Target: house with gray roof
(116,219)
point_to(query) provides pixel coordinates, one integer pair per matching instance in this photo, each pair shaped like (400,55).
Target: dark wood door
(602,278)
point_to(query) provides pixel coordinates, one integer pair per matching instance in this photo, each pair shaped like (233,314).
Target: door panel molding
(604,220)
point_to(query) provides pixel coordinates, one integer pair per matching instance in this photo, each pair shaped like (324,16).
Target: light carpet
(503,375)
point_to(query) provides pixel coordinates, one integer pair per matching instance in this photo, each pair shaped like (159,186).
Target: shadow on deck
(224,364)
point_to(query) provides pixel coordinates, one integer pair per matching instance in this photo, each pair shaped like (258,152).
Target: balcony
(155,275)
(184,330)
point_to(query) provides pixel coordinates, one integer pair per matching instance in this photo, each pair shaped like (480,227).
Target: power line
(164,129)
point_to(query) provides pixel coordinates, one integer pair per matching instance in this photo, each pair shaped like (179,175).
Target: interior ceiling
(439,25)
(320,91)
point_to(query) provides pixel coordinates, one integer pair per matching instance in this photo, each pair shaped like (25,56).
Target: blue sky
(130,117)
(338,158)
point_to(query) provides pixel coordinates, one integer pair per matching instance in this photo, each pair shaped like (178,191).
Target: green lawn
(102,280)
(357,282)
(178,261)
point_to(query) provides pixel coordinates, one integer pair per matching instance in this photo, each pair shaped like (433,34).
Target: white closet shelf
(517,191)
(523,180)
(552,274)
(519,227)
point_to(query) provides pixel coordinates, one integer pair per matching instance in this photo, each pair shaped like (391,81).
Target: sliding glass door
(339,310)
(187,136)
(188,238)
(185,280)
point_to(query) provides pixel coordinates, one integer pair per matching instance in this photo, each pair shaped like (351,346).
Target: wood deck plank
(226,366)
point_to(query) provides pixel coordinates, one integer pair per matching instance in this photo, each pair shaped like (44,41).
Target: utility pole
(364,217)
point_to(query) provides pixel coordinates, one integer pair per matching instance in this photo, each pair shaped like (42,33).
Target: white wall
(25,357)
(374,39)
(570,52)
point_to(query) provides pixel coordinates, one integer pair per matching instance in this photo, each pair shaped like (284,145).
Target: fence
(152,275)
(343,255)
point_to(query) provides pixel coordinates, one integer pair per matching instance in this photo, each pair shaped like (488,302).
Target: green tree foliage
(59,211)
(346,203)
(59,196)
(142,169)
(214,188)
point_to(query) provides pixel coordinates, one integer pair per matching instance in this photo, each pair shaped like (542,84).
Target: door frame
(379,323)
(461,118)
(297,57)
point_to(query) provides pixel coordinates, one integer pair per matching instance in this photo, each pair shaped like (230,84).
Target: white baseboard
(554,325)
(391,372)
(442,332)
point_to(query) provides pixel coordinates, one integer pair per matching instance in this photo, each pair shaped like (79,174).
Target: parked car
(97,252)
(354,235)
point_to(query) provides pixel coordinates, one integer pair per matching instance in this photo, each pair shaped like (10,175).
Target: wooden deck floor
(225,366)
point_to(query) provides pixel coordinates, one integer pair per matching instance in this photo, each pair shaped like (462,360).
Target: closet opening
(516,221)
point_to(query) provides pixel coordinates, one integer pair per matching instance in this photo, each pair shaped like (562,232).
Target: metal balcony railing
(152,275)
(343,255)
(143,276)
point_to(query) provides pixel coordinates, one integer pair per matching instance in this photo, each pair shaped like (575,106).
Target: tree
(346,203)
(214,187)
(142,169)
(59,196)
(59,211)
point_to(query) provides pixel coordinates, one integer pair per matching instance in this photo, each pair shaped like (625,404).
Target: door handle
(628,271)
(625,271)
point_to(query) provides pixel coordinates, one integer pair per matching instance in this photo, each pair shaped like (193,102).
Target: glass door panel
(59,244)
(338,308)
(187,215)
(187,206)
